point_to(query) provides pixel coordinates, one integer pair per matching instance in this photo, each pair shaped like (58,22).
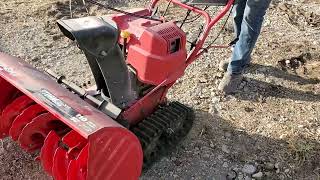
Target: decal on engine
(68,112)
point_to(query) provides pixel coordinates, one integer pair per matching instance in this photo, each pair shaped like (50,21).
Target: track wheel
(8,93)
(35,132)
(70,148)
(11,112)
(23,119)
(78,167)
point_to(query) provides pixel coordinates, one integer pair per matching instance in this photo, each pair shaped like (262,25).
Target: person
(248,18)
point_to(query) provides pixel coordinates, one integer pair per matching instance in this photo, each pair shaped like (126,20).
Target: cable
(193,18)
(220,32)
(121,11)
(185,18)
(167,8)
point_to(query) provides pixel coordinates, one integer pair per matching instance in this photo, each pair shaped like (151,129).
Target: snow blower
(124,122)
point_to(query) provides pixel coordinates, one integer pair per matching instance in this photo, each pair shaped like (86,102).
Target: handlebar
(210,22)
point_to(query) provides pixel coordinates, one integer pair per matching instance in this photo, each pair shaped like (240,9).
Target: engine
(154,49)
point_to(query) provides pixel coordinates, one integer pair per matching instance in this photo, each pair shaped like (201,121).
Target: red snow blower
(125,122)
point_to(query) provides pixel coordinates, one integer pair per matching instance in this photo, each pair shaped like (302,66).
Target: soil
(269,129)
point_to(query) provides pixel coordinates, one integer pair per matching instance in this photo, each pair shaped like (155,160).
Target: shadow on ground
(255,90)
(278,73)
(214,142)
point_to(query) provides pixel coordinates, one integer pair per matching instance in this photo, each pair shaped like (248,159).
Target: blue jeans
(248,19)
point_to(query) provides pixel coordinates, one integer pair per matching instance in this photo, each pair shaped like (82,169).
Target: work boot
(223,65)
(230,83)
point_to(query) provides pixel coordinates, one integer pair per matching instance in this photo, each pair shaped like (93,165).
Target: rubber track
(161,131)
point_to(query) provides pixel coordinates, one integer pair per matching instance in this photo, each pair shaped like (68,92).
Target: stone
(257,175)
(225,165)
(269,166)
(225,149)
(249,169)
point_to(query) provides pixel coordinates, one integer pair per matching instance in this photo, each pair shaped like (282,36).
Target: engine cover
(155,49)
(160,52)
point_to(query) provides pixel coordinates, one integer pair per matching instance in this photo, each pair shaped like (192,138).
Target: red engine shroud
(155,49)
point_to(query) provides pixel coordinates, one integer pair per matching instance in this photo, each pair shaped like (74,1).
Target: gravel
(273,118)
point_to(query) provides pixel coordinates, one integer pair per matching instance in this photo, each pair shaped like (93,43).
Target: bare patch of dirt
(298,16)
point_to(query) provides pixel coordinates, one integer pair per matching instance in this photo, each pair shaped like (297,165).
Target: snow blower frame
(108,131)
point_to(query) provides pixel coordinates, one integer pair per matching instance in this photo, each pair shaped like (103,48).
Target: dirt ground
(270,129)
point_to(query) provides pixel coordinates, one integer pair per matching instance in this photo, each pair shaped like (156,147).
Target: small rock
(287,170)
(213,110)
(219,75)
(227,134)
(215,100)
(268,174)
(225,165)
(175,176)
(248,109)
(232,175)
(317,89)
(249,169)
(203,80)
(276,165)
(269,166)
(219,156)
(225,149)
(240,176)
(263,70)
(246,89)
(257,175)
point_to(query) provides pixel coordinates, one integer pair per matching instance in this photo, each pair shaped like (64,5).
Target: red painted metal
(39,87)
(23,119)
(78,167)
(11,112)
(62,157)
(7,93)
(48,150)
(34,133)
(156,62)
(110,149)
(144,107)
(74,141)
(70,110)
(60,164)
(210,22)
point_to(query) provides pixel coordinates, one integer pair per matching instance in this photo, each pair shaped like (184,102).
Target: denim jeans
(248,18)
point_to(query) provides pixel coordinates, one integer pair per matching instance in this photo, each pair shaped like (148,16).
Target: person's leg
(238,11)
(250,29)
